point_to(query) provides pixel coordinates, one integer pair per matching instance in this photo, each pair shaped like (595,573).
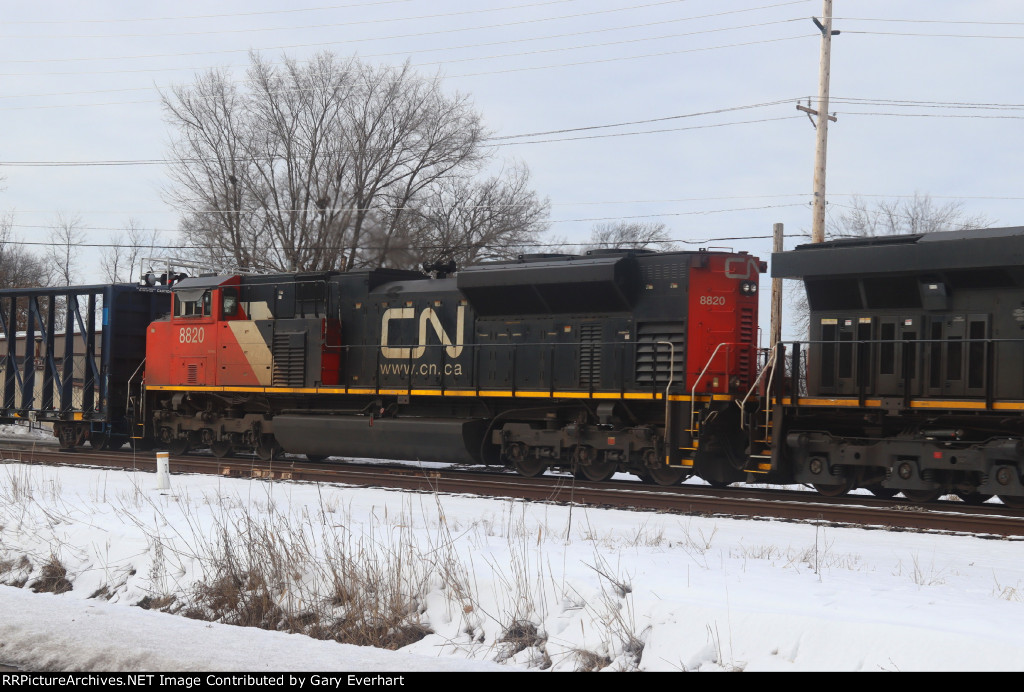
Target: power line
(429,246)
(443,48)
(499,141)
(703,212)
(926,21)
(719,198)
(473,74)
(926,104)
(201,16)
(924,35)
(642,122)
(331,43)
(651,132)
(386,20)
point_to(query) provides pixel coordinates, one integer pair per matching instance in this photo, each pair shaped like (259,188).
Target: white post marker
(163,471)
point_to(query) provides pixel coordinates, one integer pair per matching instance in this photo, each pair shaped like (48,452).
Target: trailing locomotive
(913,377)
(596,363)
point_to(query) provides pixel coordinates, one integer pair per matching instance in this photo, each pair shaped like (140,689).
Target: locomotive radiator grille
(590,355)
(289,359)
(654,361)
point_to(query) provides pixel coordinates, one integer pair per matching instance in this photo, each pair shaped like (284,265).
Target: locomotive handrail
(668,408)
(128,389)
(769,364)
(693,392)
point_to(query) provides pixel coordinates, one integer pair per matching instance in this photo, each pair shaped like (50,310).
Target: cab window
(192,303)
(229,302)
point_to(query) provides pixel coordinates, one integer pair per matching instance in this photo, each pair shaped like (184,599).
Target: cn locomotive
(587,363)
(911,380)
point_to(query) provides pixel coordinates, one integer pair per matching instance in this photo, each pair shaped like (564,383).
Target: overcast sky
(82,79)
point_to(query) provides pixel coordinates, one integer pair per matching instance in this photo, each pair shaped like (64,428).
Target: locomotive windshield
(192,303)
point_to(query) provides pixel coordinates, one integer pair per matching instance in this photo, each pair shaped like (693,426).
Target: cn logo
(741,268)
(427,318)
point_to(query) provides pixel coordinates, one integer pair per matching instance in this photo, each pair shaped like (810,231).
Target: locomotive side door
(958,355)
(897,356)
(845,362)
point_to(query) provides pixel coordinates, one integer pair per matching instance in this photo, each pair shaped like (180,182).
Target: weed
(589,661)
(15,572)
(1007,593)
(922,578)
(156,603)
(53,578)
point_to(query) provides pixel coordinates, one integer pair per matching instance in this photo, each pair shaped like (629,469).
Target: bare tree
(19,268)
(314,166)
(635,235)
(65,238)
(467,221)
(130,245)
(917,214)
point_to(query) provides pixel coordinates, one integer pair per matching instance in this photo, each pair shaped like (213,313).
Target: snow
(633,590)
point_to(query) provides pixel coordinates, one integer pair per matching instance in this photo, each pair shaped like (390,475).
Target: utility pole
(825,26)
(776,321)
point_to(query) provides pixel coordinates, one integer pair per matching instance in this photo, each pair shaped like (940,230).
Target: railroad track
(863,511)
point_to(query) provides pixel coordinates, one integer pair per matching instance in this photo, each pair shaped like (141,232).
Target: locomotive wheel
(597,471)
(268,449)
(115,442)
(99,441)
(179,446)
(530,468)
(833,490)
(974,498)
(222,449)
(922,496)
(879,490)
(1012,502)
(721,456)
(667,475)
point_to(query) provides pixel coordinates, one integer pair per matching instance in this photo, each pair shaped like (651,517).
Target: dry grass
(589,662)
(15,572)
(262,570)
(53,578)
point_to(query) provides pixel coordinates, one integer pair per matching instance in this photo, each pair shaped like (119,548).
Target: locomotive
(912,379)
(643,362)
(591,363)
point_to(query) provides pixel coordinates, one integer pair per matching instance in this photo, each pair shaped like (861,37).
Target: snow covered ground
(495,585)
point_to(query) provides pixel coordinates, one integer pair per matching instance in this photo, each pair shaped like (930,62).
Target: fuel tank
(455,441)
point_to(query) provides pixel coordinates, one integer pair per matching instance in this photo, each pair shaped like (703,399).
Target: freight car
(912,379)
(80,350)
(599,363)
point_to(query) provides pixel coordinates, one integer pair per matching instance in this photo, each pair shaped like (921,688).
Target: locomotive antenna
(825,26)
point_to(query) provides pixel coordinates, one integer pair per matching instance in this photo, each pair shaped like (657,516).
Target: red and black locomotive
(598,363)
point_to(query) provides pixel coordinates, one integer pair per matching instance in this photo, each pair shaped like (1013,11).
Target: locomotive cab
(183,348)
